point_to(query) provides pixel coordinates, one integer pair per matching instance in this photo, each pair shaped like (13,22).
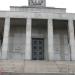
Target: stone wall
(20,66)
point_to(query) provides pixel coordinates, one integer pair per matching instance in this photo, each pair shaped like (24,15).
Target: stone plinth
(20,66)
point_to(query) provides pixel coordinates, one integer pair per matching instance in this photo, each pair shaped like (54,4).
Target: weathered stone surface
(11,66)
(37,74)
(19,66)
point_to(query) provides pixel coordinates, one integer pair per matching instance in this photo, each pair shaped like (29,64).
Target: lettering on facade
(37,2)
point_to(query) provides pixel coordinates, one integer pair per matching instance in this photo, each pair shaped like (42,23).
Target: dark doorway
(37,49)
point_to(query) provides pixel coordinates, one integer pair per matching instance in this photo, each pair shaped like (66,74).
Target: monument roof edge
(36,7)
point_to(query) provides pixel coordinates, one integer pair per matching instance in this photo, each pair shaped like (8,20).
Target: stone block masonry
(19,66)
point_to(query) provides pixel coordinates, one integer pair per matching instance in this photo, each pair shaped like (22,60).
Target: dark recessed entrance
(37,49)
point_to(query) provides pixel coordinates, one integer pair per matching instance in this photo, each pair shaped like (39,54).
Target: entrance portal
(37,49)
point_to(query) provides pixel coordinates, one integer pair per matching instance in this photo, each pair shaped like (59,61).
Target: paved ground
(36,74)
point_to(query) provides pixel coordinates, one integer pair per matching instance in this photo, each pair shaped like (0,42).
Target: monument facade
(37,40)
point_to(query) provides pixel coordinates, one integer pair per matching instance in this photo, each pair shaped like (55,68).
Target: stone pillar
(50,40)
(71,38)
(5,38)
(28,40)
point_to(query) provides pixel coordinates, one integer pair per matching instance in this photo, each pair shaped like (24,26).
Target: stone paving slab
(36,74)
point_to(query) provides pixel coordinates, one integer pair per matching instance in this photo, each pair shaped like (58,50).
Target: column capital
(28,18)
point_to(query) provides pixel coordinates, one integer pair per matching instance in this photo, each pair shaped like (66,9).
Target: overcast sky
(68,4)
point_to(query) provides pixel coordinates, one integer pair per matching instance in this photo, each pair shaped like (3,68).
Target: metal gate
(37,49)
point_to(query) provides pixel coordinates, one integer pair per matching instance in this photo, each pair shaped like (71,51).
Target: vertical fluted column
(5,38)
(50,40)
(71,38)
(28,40)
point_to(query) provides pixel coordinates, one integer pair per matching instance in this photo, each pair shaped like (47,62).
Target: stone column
(28,40)
(50,40)
(71,38)
(5,38)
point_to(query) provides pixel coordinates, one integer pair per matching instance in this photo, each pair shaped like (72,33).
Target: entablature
(38,15)
(38,9)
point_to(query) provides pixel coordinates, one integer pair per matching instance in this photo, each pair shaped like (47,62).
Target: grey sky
(68,4)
